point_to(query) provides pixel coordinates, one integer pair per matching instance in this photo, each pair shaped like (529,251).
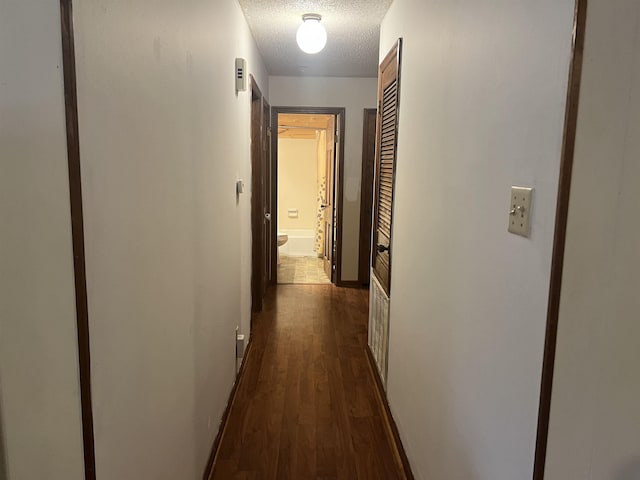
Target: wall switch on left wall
(239,187)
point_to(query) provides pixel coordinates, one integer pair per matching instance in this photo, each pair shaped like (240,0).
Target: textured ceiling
(353,31)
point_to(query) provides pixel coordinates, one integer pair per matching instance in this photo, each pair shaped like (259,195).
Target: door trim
(77,233)
(273,231)
(257,215)
(557,259)
(366,197)
(341,111)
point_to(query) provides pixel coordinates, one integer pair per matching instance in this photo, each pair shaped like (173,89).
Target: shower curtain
(321,138)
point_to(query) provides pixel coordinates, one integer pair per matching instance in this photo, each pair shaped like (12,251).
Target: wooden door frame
(560,235)
(258,285)
(273,263)
(337,111)
(77,234)
(366,198)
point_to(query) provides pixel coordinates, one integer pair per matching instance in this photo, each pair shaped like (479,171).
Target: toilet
(282,239)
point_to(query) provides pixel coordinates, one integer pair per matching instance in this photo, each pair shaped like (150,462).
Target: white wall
(39,396)
(297,183)
(354,94)
(595,410)
(483,88)
(163,139)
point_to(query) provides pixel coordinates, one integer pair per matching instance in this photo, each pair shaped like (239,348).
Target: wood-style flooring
(306,406)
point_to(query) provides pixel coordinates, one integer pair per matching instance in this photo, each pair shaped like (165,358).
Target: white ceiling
(353,31)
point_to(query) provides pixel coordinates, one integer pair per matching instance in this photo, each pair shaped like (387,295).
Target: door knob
(267,216)
(323,205)
(382,248)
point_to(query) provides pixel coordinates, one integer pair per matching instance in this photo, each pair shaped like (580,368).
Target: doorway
(307,167)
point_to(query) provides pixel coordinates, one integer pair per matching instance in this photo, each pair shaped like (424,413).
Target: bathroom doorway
(307,167)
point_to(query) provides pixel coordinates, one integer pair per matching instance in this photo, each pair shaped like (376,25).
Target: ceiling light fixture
(311,36)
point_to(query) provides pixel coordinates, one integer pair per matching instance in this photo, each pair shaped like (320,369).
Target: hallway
(307,405)
(139,200)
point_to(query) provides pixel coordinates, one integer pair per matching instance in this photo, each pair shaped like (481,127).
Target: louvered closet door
(386,145)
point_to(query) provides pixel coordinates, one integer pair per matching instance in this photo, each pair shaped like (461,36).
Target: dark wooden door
(386,147)
(366,197)
(261,199)
(269,235)
(329,209)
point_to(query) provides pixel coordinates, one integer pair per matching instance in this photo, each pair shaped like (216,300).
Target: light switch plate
(520,204)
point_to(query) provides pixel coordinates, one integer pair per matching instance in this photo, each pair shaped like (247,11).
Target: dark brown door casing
(268,234)
(77,234)
(386,147)
(366,196)
(261,231)
(562,213)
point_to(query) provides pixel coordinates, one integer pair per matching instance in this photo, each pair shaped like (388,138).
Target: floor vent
(379,327)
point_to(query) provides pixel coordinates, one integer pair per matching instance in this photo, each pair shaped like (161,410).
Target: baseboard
(391,429)
(208,471)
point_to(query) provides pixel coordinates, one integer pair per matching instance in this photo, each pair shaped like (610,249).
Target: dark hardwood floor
(307,406)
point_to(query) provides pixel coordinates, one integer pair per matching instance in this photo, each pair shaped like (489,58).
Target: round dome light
(311,36)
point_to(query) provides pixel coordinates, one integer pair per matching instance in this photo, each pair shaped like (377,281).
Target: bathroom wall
(297,183)
(39,392)
(163,139)
(297,189)
(355,94)
(594,430)
(483,94)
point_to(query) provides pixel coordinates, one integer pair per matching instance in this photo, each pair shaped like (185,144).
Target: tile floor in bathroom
(309,270)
